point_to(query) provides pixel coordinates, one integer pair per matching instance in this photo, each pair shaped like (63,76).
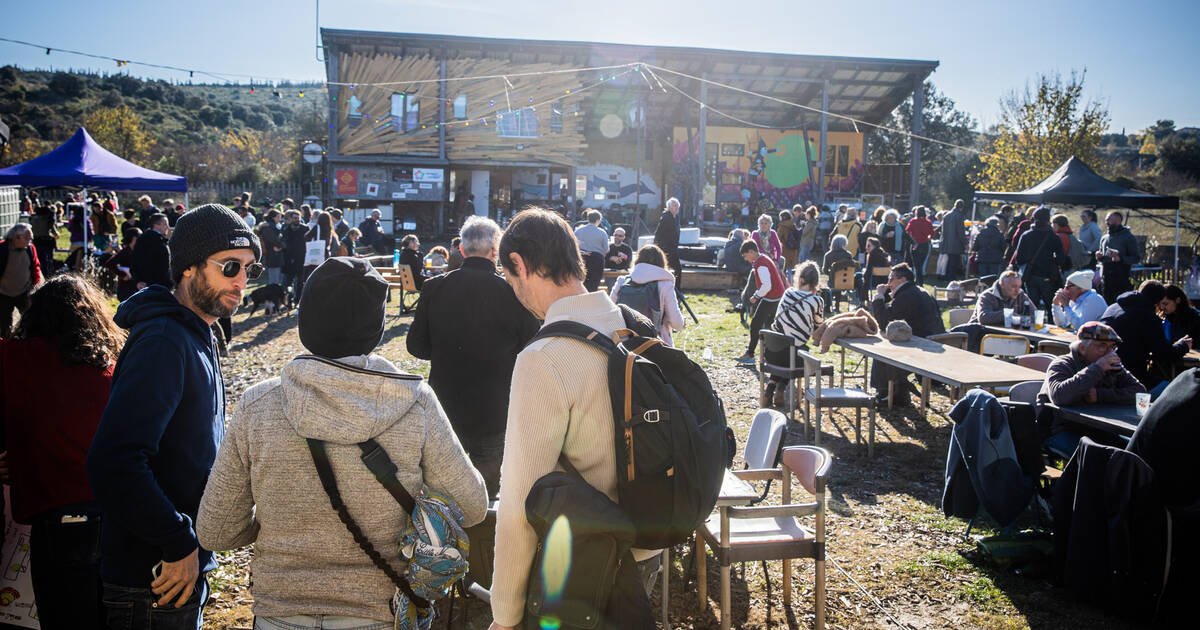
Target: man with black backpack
(561,417)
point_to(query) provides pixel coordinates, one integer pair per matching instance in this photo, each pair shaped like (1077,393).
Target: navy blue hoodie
(157,439)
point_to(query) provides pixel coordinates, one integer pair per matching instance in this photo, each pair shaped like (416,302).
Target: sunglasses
(231,268)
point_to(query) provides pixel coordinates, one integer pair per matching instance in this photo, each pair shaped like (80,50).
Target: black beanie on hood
(342,308)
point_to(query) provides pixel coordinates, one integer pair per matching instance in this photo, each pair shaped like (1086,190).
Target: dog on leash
(271,297)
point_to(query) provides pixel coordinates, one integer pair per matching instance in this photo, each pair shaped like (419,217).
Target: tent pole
(1175,278)
(86,259)
(187,206)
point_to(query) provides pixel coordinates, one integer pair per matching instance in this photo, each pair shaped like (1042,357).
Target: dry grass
(885,526)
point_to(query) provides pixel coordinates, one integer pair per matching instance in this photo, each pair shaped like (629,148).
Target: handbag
(433,546)
(314,252)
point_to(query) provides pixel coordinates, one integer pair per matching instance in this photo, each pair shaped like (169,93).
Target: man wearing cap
(1092,372)
(158,435)
(619,252)
(1077,303)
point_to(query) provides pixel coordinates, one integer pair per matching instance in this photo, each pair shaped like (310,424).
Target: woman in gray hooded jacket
(307,570)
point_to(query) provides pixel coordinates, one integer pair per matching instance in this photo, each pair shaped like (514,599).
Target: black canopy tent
(1075,183)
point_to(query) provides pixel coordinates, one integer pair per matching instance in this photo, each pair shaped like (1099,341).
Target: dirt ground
(894,560)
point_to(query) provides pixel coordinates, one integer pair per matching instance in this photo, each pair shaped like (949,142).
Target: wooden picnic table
(933,361)
(1049,333)
(1116,419)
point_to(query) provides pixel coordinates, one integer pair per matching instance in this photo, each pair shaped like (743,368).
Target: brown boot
(764,399)
(781,397)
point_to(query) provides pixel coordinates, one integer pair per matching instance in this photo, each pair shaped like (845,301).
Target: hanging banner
(347,182)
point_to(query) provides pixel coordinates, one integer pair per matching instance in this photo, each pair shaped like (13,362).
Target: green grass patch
(934,561)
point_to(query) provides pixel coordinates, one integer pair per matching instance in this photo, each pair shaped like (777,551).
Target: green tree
(1040,127)
(1181,154)
(941,165)
(119,129)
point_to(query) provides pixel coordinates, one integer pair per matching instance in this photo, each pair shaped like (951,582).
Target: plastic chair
(1010,346)
(764,443)
(817,397)
(1056,348)
(776,342)
(741,534)
(1036,361)
(960,316)
(1025,392)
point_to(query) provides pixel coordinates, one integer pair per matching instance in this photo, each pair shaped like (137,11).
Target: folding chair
(841,281)
(1036,361)
(1009,346)
(816,397)
(776,342)
(960,316)
(1025,392)
(1057,348)
(955,339)
(740,534)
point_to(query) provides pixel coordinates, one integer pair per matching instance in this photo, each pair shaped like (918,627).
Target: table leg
(666,584)
(924,396)
(842,371)
(891,393)
(701,571)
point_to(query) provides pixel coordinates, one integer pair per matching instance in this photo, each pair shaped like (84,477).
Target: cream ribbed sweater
(559,403)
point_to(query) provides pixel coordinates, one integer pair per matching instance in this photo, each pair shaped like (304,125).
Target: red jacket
(921,230)
(48,434)
(1064,234)
(777,285)
(35,268)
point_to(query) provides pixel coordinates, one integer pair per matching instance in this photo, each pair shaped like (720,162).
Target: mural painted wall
(748,165)
(609,184)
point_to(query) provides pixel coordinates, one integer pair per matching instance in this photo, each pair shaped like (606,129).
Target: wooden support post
(914,192)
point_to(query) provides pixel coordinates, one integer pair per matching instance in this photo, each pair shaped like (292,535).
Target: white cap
(1082,279)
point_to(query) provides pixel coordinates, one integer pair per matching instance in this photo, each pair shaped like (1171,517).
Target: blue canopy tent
(82,162)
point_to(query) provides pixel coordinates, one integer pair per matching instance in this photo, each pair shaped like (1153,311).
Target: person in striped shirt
(798,315)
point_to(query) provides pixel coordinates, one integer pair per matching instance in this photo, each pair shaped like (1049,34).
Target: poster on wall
(372,190)
(418,184)
(428,175)
(347,182)
(17,607)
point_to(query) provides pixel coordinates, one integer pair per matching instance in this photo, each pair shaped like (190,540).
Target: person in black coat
(295,237)
(1041,260)
(470,326)
(988,247)
(666,235)
(410,254)
(902,299)
(1180,318)
(151,259)
(1135,319)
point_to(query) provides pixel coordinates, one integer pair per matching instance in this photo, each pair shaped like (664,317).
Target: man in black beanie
(342,308)
(1041,260)
(165,417)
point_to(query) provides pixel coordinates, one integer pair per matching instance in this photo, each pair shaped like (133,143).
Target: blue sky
(1140,56)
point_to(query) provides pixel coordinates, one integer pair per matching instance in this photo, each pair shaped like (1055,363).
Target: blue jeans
(133,608)
(319,622)
(920,257)
(275,275)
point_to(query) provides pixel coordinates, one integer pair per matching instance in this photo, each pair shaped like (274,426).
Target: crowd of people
(136,478)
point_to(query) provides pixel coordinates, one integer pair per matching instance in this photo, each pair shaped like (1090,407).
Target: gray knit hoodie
(264,489)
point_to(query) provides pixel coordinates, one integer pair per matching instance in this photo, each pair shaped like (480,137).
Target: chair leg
(871,433)
(666,585)
(819,587)
(787,584)
(858,426)
(817,424)
(701,572)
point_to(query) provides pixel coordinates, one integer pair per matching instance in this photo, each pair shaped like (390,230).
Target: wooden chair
(1010,346)
(841,281)
(817,397)
(1056,348)
(408,289)
(1036,361)
(742,534)
(955,339)
(960,316)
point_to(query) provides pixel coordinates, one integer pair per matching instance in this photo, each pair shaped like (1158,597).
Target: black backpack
(670,432)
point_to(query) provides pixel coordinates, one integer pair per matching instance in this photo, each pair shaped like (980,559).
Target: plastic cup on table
(1039,318)
(1142,401)
(1008,318)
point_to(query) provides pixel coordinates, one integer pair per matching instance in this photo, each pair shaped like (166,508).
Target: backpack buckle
(651,415)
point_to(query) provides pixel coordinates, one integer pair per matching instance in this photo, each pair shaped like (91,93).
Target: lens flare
(556,562)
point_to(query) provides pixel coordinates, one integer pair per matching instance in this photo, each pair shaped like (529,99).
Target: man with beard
(294,235)
(165,417)
(1117,253)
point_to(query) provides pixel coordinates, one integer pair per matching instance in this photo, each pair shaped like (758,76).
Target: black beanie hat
(1041,215)
(209,229)
(341,310)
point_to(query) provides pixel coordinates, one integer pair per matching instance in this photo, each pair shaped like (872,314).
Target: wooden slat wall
(473,141)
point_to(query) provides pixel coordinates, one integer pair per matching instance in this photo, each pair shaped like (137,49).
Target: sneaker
(746,358)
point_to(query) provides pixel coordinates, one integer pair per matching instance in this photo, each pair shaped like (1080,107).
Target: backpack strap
(325,472)
(381,466)
(575,330)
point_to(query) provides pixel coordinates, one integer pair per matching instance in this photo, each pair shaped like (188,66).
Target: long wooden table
(1034,336)
(933,361)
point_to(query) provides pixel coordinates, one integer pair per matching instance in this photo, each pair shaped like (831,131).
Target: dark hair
(438,249)
(158,216)
(335,213)
(1119,214)
(748,245)
(407,240)
(651,254)
(877,216)
(594,216)
(545,242)
(1060,220)
(785,215)
(921,212)
(130,234)
(128,214)
(456,241)
(1006,208)
(808,274)
(1173,292)
(1153,290)
(873,241)
(904,271)
(1091,214)
(71,312)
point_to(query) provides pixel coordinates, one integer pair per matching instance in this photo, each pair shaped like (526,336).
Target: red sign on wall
(347,182)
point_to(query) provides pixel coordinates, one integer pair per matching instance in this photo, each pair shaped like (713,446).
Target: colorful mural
(747,165)
(609,184)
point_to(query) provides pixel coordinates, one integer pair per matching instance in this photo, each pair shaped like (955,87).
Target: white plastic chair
(765,442)
(1010,346)
(1037,361)
(959,316)
(1025,392)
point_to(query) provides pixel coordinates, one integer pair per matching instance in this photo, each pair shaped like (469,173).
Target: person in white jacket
(650,266)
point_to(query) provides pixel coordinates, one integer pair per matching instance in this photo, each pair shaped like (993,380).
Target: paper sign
(397,195)
(428,174)
(347,181)
(373,190)
(426,186)
(16,587)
